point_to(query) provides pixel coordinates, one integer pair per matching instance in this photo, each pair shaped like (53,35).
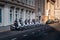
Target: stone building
(52,10)
(16,9)
(40,8)
(48,10)
(57,9)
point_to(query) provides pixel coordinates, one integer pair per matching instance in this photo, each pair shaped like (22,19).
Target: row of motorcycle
(19,26)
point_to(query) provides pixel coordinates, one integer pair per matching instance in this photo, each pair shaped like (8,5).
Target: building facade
(57,9)
(10,10)
(48,10)
(40,8)
(51,10)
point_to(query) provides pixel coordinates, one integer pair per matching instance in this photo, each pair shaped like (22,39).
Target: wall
(6,15)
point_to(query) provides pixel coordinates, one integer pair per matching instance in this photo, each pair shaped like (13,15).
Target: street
(29,20)
(56,26)
(44,32)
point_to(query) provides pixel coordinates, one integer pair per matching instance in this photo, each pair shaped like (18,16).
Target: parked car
(56,20)
(49,21)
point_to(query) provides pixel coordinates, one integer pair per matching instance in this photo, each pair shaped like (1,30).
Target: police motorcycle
(15,26)
(19,26)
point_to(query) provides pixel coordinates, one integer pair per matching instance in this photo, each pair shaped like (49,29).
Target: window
(32,2)
(10,15)
(0,15)
(26,1)
(32,12)
(17,13)
(26,11)
(21,13)
(29,2)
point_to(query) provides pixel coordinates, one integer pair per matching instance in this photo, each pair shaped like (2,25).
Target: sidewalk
(56,26)
(4,28)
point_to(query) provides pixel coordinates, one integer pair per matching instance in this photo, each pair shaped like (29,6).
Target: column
(18,14)
(28,15)
(24,15)
(31,16)
(6,15)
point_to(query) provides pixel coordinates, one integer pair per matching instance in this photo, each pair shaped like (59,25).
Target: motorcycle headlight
(17,27)
(13,26)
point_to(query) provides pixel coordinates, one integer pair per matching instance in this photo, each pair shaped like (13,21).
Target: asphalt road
(45,32)
(56,26)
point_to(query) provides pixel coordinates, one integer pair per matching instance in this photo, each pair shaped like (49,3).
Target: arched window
(17,13)
(21,13)
(10,15)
